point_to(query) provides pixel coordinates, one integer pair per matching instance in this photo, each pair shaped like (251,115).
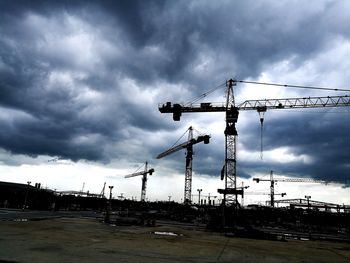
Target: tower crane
(188,145)
(231,110)
(273,180)
(144,179)
(257,193)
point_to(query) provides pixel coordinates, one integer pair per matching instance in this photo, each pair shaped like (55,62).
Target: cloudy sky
(80,81)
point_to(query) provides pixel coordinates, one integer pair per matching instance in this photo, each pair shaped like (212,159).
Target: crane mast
(188,172)
(189,157)
(144,183)
(230,192)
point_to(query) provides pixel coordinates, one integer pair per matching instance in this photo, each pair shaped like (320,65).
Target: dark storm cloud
(46,83)
(88,76)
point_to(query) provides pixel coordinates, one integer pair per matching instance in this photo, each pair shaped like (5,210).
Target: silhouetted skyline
(82,82)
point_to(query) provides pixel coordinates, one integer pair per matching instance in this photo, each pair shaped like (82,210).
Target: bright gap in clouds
(278,155)
(65,175)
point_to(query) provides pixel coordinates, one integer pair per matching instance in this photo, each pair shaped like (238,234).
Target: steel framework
(188,145)
(229,170)
(144,179)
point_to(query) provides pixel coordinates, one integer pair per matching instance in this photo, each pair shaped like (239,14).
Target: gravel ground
(87,240)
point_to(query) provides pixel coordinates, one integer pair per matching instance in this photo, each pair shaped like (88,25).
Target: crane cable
(206,94)
(280,85)
(289,86)
(138,168)
(179,138)
(198,132)
(261,114)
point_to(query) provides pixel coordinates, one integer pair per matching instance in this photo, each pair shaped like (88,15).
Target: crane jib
(259,105)
(310,102)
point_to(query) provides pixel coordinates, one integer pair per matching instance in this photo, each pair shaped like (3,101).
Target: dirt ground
(87,240)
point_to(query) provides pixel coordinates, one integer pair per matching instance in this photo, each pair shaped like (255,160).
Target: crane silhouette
(144,174)
(188,145)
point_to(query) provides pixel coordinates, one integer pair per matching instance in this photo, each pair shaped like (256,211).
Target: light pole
(110,191)
(199,196)
(109,206)
(26,196)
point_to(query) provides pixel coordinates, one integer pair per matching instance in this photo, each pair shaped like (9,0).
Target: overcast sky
(81,81)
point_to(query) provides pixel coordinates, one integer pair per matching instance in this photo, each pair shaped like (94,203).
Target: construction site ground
(89,240)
